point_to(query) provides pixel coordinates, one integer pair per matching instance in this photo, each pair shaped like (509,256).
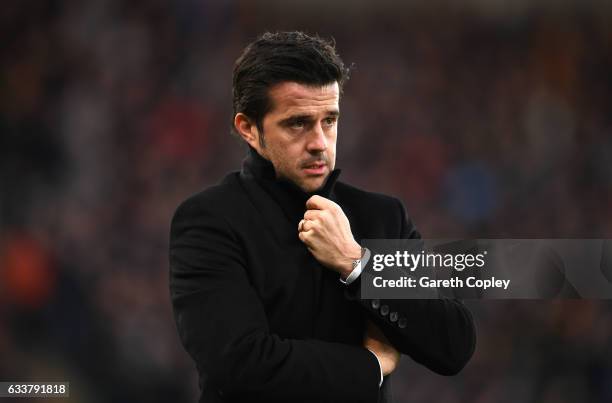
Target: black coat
(264,321)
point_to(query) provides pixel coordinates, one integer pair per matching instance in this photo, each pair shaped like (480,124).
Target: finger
(312,215)
(300,225)
(308,225)
(305,236)
(317,202)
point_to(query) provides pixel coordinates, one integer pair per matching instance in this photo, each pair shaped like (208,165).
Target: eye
(297,124)
(329,121)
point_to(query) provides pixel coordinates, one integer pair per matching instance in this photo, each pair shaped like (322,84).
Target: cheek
(331,141)
(331,145)
(286,159)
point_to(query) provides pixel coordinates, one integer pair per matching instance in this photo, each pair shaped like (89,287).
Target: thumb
(317,202)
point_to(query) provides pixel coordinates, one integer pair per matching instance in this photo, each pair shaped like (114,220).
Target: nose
(317,141)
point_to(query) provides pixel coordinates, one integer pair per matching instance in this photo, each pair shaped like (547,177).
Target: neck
(262,169)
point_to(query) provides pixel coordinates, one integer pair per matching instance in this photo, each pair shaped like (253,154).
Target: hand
(375,341)
(326,232)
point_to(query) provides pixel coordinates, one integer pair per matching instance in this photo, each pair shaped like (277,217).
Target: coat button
(375,303)
(393,317)
(384,310)
(403,322)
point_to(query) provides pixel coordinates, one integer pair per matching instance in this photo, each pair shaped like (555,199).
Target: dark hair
(278,57)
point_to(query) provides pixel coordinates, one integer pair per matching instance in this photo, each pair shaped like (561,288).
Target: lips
(316,168)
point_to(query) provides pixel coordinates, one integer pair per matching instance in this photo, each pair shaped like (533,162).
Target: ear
(247,129)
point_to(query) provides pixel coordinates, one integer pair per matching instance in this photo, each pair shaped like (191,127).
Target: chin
(312,186)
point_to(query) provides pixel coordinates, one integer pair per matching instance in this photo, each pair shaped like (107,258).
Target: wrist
(353,253)
(380,368)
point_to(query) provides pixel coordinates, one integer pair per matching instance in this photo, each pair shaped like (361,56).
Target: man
(256,261)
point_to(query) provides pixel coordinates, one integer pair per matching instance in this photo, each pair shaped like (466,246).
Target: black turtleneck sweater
(264,321)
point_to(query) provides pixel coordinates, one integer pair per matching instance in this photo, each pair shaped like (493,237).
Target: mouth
(315,169)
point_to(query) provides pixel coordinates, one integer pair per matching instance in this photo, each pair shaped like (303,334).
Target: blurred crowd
(112,112)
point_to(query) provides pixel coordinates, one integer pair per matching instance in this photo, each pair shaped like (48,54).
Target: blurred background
(490,119)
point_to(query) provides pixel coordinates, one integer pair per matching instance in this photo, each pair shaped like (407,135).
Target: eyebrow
(306,118)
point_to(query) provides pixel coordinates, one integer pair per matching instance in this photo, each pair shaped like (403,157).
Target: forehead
(289,97)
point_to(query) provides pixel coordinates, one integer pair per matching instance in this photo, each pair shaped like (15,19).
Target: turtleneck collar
(290,197)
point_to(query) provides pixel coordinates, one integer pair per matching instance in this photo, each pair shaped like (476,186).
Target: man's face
(300,133)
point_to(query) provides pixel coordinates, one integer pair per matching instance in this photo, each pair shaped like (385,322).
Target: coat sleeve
(223,326)
(437,333)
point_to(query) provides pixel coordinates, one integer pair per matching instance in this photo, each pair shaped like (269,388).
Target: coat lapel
(282,205)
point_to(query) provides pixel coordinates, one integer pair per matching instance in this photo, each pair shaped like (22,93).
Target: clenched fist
(326,232)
